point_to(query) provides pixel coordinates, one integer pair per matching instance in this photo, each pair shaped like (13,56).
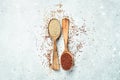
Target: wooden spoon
(67,57)
(54,32)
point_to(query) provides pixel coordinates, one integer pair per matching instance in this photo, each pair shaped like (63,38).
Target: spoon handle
(65,27)
(55,65)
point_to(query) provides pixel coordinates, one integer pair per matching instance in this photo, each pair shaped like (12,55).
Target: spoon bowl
(54,28)
(67,60)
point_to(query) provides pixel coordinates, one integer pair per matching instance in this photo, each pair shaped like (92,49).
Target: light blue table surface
(22,31)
